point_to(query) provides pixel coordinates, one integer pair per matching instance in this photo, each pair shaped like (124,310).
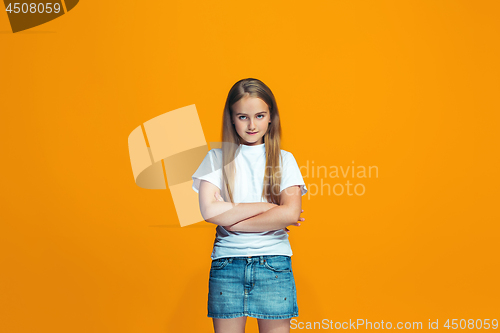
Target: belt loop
(230,260)
(262,260)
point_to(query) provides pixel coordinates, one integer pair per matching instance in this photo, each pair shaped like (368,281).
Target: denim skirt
(258,286)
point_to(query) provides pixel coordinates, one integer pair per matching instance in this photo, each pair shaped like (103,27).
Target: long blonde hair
(272,139)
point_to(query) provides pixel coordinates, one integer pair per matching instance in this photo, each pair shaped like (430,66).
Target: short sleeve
(208,171)
(291,173)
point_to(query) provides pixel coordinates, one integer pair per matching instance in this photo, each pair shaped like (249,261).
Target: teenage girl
(252,190)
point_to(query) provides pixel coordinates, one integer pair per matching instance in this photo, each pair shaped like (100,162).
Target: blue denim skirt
(258,286)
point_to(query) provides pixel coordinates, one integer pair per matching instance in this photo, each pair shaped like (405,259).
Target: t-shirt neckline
(253,149)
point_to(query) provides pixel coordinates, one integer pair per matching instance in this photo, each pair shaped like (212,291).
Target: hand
(296,224)
(218,197)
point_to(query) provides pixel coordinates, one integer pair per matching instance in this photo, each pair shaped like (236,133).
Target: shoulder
(289,160)
(215,152)
(215,156)
(286,155)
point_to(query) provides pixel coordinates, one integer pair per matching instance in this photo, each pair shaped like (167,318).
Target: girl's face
(251,115)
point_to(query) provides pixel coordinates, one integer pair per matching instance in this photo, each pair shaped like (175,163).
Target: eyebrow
(256,113)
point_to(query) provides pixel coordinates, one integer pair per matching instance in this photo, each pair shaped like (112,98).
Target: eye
(259,115)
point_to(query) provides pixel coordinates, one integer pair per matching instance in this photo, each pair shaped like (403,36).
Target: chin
(248,141)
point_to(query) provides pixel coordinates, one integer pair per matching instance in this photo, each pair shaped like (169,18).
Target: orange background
(411,88)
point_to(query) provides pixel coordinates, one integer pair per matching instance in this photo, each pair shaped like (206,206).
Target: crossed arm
(250,217)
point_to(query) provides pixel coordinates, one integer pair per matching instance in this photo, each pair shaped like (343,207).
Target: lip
(251,133)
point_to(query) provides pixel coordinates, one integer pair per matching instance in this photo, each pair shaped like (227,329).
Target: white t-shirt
(250,166)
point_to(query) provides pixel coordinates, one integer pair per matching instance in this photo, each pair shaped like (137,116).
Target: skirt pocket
(279,264)
(219,263)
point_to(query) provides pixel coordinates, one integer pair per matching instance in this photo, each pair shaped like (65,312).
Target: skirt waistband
(261,258)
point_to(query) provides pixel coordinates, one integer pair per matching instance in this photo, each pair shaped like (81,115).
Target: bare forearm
(275,218)
(226,213)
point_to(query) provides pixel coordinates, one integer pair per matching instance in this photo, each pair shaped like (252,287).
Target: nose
(251,126)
